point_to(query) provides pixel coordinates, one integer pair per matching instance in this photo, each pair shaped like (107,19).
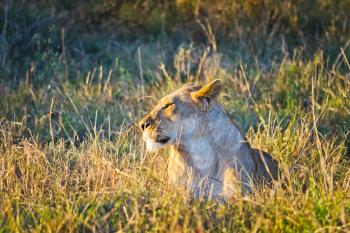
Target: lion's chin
(153,146)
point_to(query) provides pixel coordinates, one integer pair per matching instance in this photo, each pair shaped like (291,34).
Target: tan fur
(209,155)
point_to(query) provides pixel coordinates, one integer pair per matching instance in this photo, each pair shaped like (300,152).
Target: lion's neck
(217,137)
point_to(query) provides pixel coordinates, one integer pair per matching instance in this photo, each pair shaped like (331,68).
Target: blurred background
(96,32)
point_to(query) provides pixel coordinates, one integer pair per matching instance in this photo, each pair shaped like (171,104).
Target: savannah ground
(75,78)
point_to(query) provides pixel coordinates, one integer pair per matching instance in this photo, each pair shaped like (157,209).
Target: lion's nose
(144,123)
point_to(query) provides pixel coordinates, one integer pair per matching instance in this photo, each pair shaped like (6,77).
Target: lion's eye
(167,105)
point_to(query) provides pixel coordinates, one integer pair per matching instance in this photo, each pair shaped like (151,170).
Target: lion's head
(179,115)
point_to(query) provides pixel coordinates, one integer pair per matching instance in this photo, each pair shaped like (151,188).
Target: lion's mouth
(155,144)
(163,140)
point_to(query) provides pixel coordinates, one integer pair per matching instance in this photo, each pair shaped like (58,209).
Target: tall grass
(81,166)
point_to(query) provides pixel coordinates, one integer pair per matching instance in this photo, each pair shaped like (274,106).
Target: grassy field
(71,154)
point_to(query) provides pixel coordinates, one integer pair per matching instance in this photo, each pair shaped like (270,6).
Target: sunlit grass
(72,159)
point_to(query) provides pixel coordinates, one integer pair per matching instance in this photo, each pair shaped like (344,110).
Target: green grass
(71,154)
(83,168)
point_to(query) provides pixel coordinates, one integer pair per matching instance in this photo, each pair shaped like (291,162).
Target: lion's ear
(207,94)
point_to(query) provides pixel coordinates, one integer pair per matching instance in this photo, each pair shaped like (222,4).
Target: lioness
(209,155)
